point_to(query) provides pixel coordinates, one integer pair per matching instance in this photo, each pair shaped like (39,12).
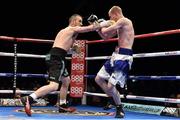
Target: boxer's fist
(76,48)
(92,18)
(106,23)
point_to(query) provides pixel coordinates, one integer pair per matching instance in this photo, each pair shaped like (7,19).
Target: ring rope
(92,76)
(24,75)
(140,55)
(132,97)
(23,91)
(24,55)
(168,32)
(155,77)
(25,39)
(146,77)
(156,99)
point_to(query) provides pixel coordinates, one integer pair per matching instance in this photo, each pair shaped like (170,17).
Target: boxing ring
(11,108)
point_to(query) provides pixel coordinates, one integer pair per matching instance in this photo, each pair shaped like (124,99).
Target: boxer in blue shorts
(115,70)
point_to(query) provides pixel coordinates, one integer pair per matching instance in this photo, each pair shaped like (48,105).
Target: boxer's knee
(53,85)
(111,88)
(98,80)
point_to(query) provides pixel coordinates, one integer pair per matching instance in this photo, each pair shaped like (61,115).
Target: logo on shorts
(52,78)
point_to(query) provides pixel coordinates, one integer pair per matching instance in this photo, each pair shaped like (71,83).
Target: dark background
(44,18)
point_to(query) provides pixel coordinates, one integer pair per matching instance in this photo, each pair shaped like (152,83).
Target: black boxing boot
(110,104)
(119,112)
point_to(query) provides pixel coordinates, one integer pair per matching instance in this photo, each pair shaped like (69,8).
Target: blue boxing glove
(92,18)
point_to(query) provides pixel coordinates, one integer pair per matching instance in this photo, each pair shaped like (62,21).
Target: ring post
(15,67)
(77,71)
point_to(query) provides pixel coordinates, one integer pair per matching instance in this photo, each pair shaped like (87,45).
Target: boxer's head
(75,20)
(115,13)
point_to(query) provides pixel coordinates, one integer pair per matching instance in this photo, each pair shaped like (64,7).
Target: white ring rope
(24,55)
(154,77)
(140,55)
(157,54)
(132,97)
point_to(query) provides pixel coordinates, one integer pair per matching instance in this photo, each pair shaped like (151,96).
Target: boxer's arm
(104,24)
(103,36)
(106,36)
(89,28)
(115,26)
(93,19)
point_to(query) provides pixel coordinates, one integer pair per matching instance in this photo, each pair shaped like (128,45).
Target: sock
(62,101)
(33,95)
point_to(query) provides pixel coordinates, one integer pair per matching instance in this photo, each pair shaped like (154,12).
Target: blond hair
(115,9)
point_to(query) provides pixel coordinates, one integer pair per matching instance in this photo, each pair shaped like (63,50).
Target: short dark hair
(73,16)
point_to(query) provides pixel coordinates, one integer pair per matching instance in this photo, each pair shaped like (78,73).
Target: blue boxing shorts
(116,69)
